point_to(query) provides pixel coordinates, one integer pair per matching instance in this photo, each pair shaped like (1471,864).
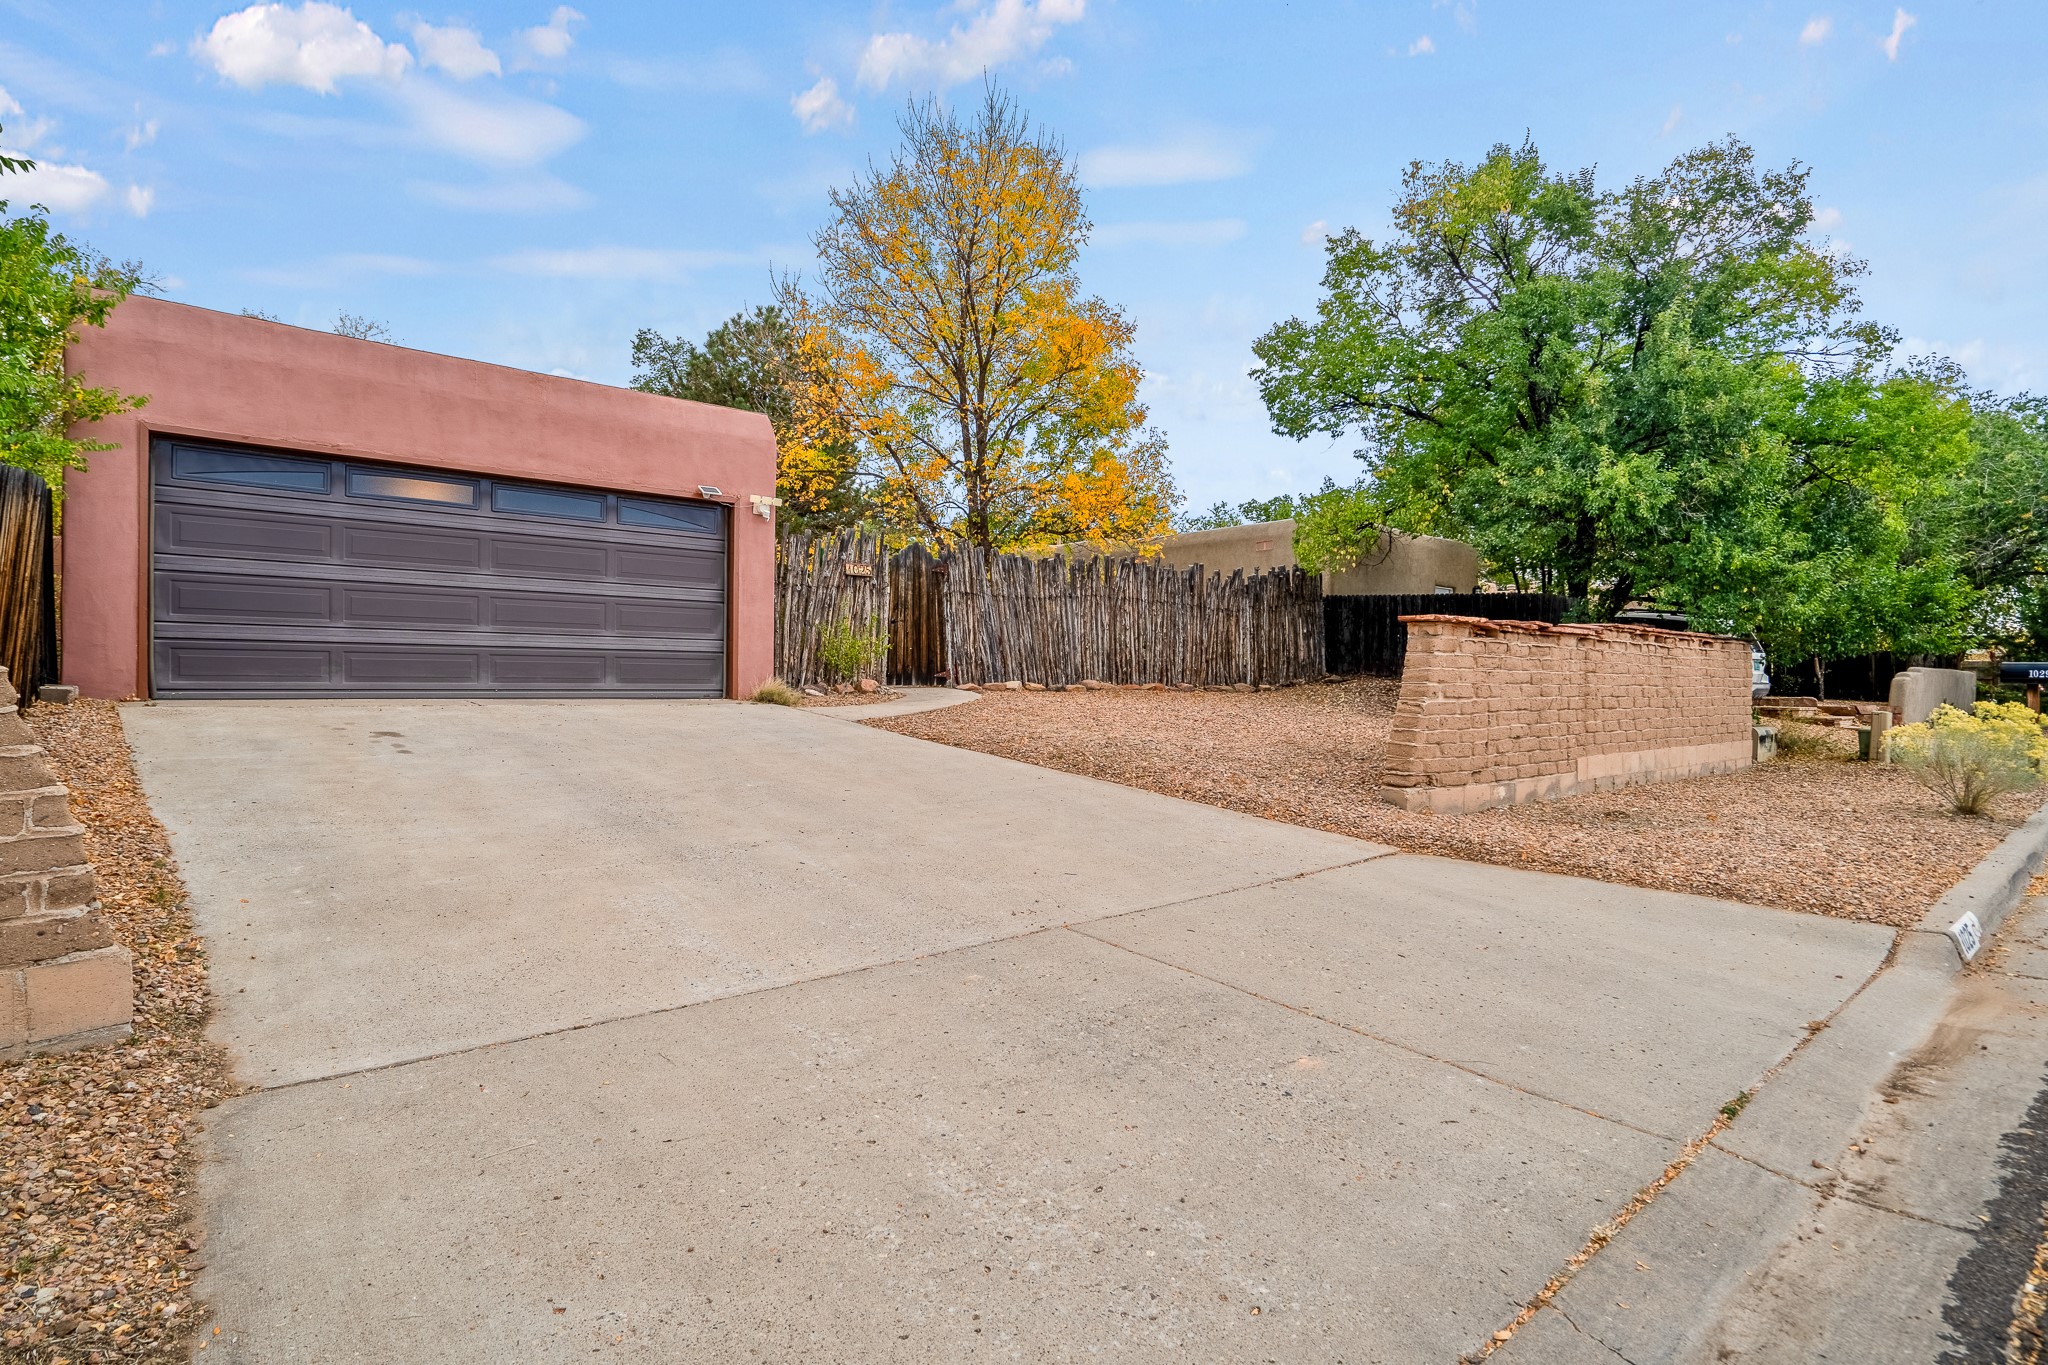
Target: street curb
(1993,887)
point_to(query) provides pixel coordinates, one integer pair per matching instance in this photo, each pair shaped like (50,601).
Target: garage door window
(364,483)
(251,471)
(547,502)
(674,516)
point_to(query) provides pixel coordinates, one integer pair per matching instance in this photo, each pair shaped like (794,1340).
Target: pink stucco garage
(300,514)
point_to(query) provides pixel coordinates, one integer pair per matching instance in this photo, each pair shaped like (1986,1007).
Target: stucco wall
(1399,563)
(1493,713)
(235,378)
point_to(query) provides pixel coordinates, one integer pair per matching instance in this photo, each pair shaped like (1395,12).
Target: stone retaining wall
(1493,713)
(63,981)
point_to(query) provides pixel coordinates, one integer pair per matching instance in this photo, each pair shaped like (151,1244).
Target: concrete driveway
(663,1031)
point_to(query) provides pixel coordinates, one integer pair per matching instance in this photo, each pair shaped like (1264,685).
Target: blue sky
(529,184)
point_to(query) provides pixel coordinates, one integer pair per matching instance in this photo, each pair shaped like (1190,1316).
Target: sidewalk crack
(1614,1351)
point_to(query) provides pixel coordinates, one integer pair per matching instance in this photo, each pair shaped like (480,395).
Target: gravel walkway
(95,1168)
(1823,834)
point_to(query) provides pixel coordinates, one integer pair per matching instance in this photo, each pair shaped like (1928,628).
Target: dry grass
(1820,833)
(95,1162)
(776,692)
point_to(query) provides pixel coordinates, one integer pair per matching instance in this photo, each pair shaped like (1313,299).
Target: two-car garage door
(279,575)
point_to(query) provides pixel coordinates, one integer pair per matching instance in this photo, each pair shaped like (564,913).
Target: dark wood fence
(1058,621)
(824,583)
(1365,634)
(28,582)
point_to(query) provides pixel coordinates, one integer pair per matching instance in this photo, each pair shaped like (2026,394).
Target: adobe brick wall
(64,983)
(1493,713)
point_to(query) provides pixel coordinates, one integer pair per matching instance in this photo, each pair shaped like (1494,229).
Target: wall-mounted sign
(854,570)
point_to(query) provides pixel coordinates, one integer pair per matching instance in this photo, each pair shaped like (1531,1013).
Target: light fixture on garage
(764,507)
(708,491)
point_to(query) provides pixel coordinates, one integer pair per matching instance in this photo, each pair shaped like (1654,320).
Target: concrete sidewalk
(708,1031)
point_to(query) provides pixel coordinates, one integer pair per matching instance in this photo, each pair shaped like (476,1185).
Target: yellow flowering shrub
(1970,757)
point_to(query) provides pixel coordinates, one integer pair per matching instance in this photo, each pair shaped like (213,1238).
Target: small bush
(776,692)
(848,652)
(1971,759)
(1797,739)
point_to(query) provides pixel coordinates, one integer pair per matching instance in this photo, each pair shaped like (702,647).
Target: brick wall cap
(1600,629)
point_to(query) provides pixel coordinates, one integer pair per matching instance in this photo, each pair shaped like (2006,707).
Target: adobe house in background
(298,514)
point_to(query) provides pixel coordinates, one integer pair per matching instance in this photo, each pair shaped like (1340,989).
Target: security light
(708,491)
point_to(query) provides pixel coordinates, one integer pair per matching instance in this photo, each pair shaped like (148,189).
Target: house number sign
(854,570)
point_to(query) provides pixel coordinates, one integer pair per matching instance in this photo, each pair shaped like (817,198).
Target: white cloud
(617,262)
(1182,161)
(313,46)
(820,107)
(502,130)
(1672,120)
(1901,21)
(550,42)
(1827,220)
(1464,12)
(62,188)
(24,137)
(1315,232)
(1421,47)
(457,50)
(538,194)
(998,32)
(1202,232)
(140,200)
(141,134)
(1816,31)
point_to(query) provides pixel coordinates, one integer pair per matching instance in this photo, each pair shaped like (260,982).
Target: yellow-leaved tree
(946,333)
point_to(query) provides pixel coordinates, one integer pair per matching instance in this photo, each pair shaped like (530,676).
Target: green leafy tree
(1664,392)
(50,286)
(2000,517)
(751,361)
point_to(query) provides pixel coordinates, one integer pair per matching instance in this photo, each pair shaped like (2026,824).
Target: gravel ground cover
(851,698)
(1819,833)
(95,1159)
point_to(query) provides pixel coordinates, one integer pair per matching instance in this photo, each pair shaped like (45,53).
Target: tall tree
(49,286)
(989,399)
(1665,391)
(753,361)
(2001,520)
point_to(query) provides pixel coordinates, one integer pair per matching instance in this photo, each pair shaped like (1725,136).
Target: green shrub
(776,692)
(1971,759)
(848,652)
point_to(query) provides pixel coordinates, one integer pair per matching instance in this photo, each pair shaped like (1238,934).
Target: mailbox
(2034,674)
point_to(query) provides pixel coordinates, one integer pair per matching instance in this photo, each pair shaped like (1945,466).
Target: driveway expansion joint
(858,969)
(1408,1048)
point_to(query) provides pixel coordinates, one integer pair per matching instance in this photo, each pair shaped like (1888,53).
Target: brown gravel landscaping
(851,698)
(96,1165)
(1817,833)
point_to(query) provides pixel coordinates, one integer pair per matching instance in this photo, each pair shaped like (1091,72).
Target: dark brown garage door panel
(284,575)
